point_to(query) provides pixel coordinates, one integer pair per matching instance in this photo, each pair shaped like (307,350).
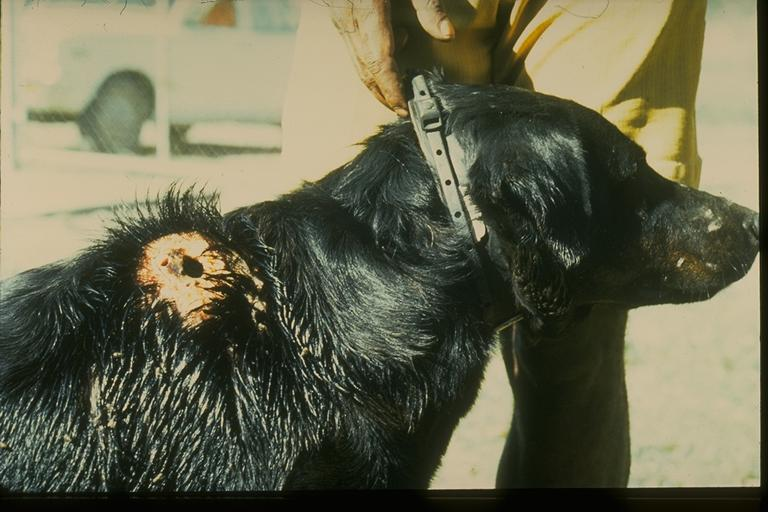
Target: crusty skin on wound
(178,269)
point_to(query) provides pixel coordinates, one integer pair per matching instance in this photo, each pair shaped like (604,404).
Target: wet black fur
(374,344)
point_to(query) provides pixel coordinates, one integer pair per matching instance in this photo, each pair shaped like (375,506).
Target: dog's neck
(445,157)
(391,188)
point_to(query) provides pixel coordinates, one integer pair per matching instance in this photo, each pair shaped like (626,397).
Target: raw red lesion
(186,271)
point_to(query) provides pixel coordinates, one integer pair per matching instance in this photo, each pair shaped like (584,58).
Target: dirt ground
(692,371)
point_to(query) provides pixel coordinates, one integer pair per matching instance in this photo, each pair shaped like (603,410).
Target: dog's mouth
(682,255)
(714,251)
(697,279)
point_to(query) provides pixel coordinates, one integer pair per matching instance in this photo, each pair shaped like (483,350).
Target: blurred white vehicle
(188,60)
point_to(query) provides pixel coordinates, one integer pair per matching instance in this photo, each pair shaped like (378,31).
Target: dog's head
(580,217)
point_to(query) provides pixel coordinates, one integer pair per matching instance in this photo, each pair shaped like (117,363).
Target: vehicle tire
(112,121)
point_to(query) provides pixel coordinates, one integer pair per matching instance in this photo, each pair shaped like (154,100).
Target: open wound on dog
(187,272)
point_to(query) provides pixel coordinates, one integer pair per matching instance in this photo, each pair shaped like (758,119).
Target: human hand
(366,27)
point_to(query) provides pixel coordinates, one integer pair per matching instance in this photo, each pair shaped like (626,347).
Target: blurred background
(104,102)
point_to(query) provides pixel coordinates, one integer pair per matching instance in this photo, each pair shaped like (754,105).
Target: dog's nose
(752,224)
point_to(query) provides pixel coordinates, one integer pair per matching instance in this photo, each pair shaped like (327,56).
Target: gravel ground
(692,371)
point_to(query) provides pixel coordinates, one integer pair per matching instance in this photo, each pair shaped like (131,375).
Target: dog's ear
(536,278)
(532,185)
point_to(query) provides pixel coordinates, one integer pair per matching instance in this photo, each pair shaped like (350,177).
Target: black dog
(333,337)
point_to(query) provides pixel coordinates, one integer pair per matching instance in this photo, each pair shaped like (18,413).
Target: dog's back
(170,356)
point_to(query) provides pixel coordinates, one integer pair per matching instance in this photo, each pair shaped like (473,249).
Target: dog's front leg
(571,424)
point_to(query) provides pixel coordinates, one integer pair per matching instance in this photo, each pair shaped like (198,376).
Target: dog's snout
(752,224)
